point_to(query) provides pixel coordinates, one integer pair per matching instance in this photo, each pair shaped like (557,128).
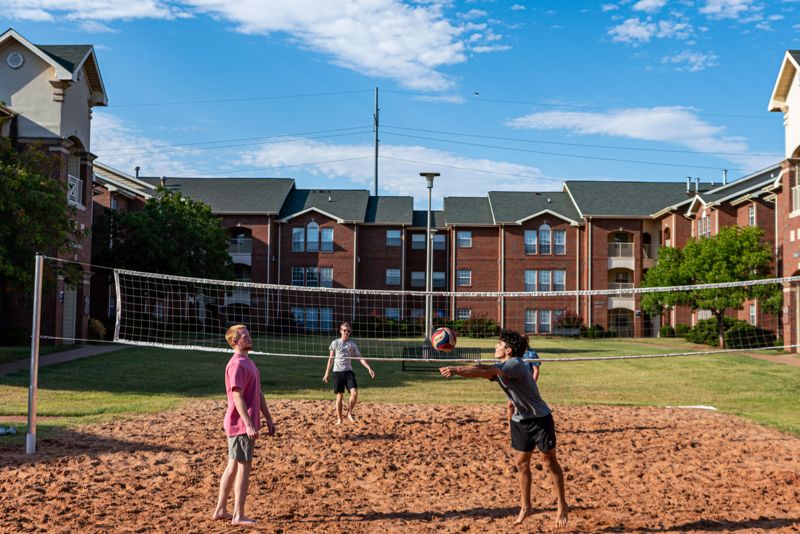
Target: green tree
(171,235)
(734,254)
(36,218)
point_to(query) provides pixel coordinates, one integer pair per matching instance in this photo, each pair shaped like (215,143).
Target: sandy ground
(409,468)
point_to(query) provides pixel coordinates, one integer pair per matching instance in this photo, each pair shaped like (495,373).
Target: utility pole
(375,116)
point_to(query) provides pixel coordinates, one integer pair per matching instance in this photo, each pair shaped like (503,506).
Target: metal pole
(375,116)
(30,443)
(429,176)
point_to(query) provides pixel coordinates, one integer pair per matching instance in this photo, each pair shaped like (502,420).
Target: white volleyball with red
(443,339)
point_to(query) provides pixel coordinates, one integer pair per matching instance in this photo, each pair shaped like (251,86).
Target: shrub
(705,331)
(97,330)
(667,331)
(594,331)
(682,329)
(743,335)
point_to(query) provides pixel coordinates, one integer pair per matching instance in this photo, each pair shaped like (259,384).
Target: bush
(743,335)
(682,329)
(594,331)
(97,330)
(705,331)
(666,331)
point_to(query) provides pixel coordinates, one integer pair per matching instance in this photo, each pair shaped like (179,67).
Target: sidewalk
(83,351)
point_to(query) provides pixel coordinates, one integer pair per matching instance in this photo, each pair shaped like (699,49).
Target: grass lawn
(144,380)
(12,354)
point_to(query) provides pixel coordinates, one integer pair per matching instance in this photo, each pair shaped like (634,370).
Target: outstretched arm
(471,371)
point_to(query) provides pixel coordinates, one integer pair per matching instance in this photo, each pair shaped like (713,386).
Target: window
(530,280)
(544,239)
(439,279)
(463,313)
(299,316)
(298,239)
(530,321)
(312,237)
(544,281)
(751,215)
(327,240)
(393,238)
(559,280)
(530,241)
(560,242)
(326,319)
(392,313)
(417,279)
(544,322)
(417,313)
(418,241)
(753,317)
(298,276)
(704,226)
(438,242)
(74,190)
(794,179)
(114,203)
(314,319)
(464,239)
(464,277)
(312,277)
(392,277)
(326,276)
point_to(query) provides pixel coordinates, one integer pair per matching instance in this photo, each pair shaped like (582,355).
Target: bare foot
(523,513)
(243,521)
(350,417)
(562,517)
(221,514)
(338,421)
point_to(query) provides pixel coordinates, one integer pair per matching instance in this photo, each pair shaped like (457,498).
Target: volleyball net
(292,320)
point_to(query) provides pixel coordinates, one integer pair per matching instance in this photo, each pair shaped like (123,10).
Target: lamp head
(429,176)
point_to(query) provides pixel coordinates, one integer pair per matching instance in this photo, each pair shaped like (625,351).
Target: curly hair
(515,341)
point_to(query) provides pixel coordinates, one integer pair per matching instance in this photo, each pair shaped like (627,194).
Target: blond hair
(232,335)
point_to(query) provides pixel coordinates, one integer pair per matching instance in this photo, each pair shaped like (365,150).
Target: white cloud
(726,9)
(691,61)
(634,30)
(121,146)
(675,125)
(399,168)
(94,10)
(490,48)
(474,14)
(649,6)
(609,7)
(446,99)
(92,26)
(518,7)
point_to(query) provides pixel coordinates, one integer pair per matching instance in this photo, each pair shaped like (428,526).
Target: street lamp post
(429,176)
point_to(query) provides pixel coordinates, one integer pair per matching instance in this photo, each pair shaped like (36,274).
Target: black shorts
(343,379)
(536,432)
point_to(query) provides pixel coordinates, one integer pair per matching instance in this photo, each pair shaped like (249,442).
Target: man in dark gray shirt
(532,424)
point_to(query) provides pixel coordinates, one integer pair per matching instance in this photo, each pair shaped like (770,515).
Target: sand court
(411,468)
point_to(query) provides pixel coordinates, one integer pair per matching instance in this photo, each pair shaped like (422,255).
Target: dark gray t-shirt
(521,389)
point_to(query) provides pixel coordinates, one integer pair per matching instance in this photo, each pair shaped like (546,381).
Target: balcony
(649,255)
(620,256)
(624,300)
(241,250)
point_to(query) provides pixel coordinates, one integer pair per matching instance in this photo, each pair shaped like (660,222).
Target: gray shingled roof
(420,219)
(744,185)
(233,195)
(390,210)
(472,211)
(626,199)
(513,207)
(348,205)
(68,56)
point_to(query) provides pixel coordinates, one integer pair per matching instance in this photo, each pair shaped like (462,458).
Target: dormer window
(544,239)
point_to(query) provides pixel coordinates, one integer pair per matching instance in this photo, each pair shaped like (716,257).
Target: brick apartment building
(47,94)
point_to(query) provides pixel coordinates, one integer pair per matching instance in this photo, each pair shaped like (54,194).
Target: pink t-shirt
(242,373)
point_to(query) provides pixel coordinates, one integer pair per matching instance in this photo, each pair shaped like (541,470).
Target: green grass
(12,354)
(138,380)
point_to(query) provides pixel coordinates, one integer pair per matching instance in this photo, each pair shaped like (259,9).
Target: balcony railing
(620,285)
(649,252)
(620,250)
(240,246)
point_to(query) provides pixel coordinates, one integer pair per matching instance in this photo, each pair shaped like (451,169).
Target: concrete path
(83,351)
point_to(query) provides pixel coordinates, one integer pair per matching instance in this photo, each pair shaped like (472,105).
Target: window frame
(298,245)
(294,279)
(416,279)
(526,285)
(393,280)
(559,249)
(326,243)
(460,277)
(545,240)
(390,240)
(325,276)
(531,246)
(464,238)
(417,241)
(312,246)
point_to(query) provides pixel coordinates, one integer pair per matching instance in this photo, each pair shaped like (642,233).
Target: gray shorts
(240,448)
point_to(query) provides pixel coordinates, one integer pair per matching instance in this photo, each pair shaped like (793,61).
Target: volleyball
(443,339)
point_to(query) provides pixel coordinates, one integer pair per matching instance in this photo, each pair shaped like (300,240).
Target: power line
(613,147)
(252,169)
(477,99)
(242,99)
(579,156)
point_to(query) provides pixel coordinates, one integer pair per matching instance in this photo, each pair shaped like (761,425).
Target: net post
(30,441)
(118,311)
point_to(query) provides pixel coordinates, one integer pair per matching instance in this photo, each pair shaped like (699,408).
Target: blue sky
(493,95)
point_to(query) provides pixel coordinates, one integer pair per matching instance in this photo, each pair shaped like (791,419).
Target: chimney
(724,176)
(163,181)
(136,170)
(696,184)
(688,184)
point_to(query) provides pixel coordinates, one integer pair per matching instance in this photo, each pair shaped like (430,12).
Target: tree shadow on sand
(709,525)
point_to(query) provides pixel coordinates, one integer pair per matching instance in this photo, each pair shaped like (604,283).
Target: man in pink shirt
(242,424)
